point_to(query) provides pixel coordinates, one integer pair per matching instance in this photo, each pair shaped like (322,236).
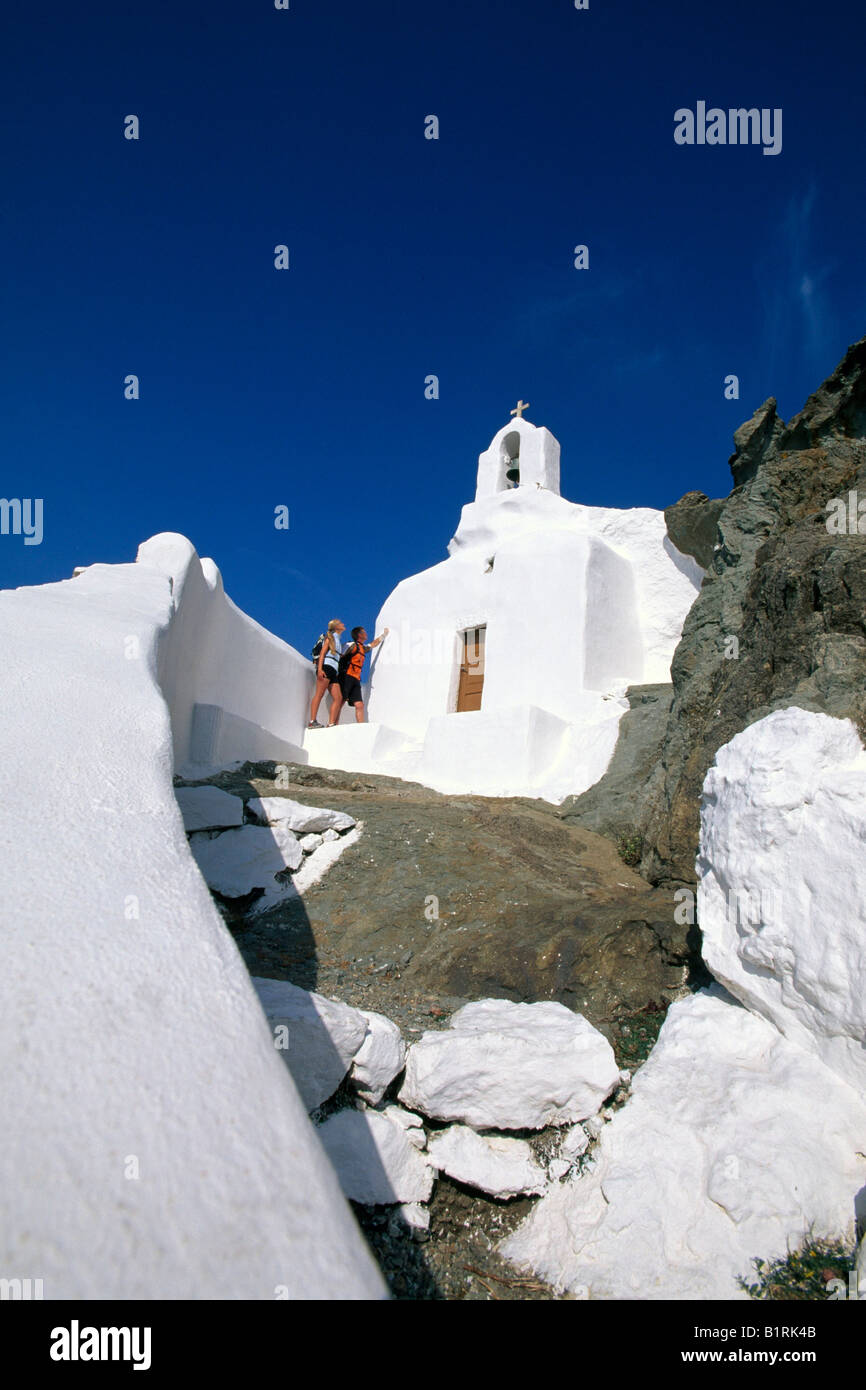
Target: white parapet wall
(154,1145)
(213,655)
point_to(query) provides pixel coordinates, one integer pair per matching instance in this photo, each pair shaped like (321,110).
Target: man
(351,666)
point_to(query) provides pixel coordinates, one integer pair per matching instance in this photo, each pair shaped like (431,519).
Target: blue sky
(408,256)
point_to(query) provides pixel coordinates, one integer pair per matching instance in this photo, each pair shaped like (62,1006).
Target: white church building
(505,667)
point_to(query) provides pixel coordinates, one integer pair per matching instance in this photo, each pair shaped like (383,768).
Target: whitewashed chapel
(506,665)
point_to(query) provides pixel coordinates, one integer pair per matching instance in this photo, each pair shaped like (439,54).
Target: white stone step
(356,747)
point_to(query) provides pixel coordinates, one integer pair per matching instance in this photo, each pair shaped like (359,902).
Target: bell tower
(520,455)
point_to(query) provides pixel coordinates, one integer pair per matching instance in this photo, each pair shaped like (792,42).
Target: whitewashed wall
(154,1145)
(253,690)
(578,599)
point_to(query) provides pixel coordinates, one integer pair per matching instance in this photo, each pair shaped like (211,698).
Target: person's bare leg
(336,705)
(318,693)
(359,711)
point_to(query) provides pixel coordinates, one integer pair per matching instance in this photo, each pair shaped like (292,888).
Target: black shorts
(351,688)
(330,673)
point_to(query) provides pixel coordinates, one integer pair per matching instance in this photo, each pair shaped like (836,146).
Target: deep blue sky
(408,257)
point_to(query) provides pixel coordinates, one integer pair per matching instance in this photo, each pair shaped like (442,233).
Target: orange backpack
(352,660)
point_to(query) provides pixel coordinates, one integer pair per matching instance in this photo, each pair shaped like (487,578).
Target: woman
(327,675)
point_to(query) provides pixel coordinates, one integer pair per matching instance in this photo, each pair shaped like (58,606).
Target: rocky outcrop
(780,618)
(613,805)
(693,525)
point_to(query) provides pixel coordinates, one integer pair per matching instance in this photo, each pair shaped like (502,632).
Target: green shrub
(630,847)
(804,1274)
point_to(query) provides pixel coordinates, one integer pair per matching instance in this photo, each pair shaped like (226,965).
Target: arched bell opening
(511,459)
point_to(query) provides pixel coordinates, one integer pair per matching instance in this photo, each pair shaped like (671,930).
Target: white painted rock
(411,1124)
(317,864)
(501,1065)
(303,819)
(238,861)
(574,1143)
(558,1167)
(316,1037)
(288,844)
(416,1216)
(782,892)
(406,1119)
(492,1163)
(329,835)
(374,1160)
(310,842)
(734,1144)
(208,808)
(380,1057)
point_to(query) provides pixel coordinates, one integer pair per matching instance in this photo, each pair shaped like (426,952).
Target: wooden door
(471,669)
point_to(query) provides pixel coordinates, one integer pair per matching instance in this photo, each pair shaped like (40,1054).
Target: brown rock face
(781,617)
(692,525)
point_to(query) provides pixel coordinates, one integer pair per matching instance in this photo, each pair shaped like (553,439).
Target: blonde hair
(332,626)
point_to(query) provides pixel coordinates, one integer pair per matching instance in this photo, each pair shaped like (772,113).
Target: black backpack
(318,647)
(346,657)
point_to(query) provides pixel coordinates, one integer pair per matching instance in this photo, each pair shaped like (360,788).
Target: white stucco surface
(154,1145)
(782,897)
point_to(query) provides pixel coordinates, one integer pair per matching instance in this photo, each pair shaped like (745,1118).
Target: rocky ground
(449,899)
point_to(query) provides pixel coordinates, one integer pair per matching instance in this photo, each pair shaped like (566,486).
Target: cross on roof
(519,409)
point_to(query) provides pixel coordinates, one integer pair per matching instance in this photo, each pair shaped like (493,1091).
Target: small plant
(635,1034)
(804,1274)
(629,845)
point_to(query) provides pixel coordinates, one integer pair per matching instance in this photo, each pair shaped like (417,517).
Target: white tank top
(330,658)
